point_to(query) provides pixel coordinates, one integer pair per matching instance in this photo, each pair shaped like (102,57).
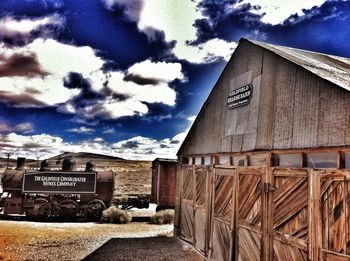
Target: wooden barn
(264,172)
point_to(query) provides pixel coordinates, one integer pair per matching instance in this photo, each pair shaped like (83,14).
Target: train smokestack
(89,166)
(68,164)
(20,162)
(44,165)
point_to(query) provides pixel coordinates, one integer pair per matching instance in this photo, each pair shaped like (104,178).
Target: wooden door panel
(223,214)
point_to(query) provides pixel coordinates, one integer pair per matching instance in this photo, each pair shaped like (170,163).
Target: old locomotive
(64,193)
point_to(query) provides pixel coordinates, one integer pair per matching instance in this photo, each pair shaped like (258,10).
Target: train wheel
(40,210)
(69,209)
(94,209)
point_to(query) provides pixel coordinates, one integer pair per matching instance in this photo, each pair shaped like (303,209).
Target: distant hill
(84,155)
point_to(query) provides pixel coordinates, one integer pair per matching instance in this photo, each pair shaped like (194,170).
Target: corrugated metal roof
(329,67)
(164,160)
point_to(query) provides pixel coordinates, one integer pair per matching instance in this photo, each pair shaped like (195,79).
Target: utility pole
(37,162)
(8,160)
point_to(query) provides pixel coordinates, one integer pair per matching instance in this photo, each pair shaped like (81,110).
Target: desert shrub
(115,215)
(163,217)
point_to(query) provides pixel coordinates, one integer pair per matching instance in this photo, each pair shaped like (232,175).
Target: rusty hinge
(267,187)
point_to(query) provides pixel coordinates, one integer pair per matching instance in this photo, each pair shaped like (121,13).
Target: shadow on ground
(148,248)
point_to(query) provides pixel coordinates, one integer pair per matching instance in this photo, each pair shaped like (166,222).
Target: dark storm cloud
(120,97)
(138,79)
(31,145)
(21,65)
(217,10)
(75,81)
(130,145)
(325,29)
(130,8)
(175,142)
(87,95)
(329,10)
(108,92)
(223,21)
(205,31)
(328,25)
(31,91)
(20,100)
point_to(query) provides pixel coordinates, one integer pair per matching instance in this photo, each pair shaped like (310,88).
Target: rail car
(164,183)
(64,193)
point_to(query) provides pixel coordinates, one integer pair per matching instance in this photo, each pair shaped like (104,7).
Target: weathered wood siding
(290,108)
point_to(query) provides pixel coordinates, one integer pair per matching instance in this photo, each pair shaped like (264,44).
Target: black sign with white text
(59,182)
(240,96)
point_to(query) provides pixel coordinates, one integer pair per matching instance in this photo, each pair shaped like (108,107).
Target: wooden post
(315,232)
(235,216)
(212,212)
(208,204)
(194,204)
(177,225)
(345,206)
(267,217)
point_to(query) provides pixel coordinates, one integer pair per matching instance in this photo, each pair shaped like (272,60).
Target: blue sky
(128,77)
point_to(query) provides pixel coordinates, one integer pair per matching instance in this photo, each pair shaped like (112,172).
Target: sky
(128,77)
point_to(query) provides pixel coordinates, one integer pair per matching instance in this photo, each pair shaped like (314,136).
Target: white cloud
(45,146)
(31,146)
(162,71)
(276,11)
(109,131)
(175,18)
(82,129)
(98,139)
(147,93)
(207,52)
(134,94)
(10,27)
(192,118)
(4,127)
(24,127)
(147,148)
(57,59)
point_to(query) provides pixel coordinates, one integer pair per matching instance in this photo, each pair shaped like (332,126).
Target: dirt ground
(139,249)
(23,240)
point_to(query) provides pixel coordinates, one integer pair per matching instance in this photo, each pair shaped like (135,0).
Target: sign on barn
(240,96)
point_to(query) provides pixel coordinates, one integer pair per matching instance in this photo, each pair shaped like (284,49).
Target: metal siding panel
(306,103)
(267,100)
(285,86)
(333,115)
